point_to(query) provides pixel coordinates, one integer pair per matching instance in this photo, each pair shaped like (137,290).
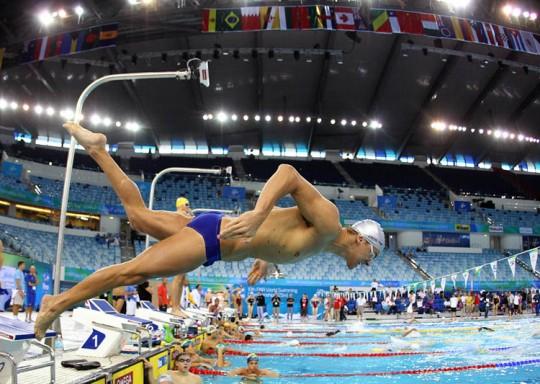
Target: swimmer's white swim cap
(372,232)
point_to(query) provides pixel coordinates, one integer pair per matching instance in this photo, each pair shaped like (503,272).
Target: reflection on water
(248,380)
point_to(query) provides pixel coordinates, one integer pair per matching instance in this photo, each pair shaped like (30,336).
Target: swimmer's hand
(258,271)
(244,226)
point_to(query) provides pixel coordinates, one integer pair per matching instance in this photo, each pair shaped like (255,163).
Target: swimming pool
(377,353)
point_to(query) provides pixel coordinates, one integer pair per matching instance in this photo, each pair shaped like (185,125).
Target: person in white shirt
(196,295)
(360,302)
(453,305)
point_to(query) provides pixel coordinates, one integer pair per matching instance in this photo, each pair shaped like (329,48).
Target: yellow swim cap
(181,202)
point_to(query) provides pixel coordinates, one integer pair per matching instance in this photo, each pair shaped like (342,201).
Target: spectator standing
(18,291)
(250,301)
(315,306)
(360,302)
(31,282)
(276,303)
(208,297)
(304,302)
(261,306)
(237,301)
(290,306)
(196,295)
(131,300)
(163,295)
(453,305)
(536,302)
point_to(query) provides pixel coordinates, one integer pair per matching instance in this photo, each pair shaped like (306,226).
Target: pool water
(377,353)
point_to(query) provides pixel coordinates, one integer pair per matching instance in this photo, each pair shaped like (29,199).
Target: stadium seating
(158,163)
(79,251)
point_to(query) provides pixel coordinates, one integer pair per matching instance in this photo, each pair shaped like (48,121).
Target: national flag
(510,38)
(108,33)
(537,42)
(2,51)
(380,21)
(359,22)
(276,18)
(410,22)
(209,20)
(74,41)
(312,17)
(446,27)
(469,33)
(394,21)
(251,20)
(500,36)
(529,42)
(493,265)
(43,48)
(517,40)
(430,25)
(480,31)
(512,264)
(458,32)
(490,33)
(326,16)
(228,20)
(533,255)
(443,282)
(344,18)
(91,39)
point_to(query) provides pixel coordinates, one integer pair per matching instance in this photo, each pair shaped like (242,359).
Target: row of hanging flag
(469,273)
(325,17)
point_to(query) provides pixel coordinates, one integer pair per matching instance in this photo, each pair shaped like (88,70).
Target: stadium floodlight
(38,109)
(507,9)
(3,103)
(516,12)
(45,18)
(257,118)
(280,118)
(319,120)
(332,121)
(353,123)
(132,126)
(107,121)
(521,137)
(291,119)
(25,107)
(343,122)
(62,13)
(118,124)
(222,117)
(375,124)
(246,117)
(50,111)
(205,116)
(210,116)
(308,119)
(13,105)
(234,117)
(79,11)
(364,124)
(268,118)
(95,119)
(297,119)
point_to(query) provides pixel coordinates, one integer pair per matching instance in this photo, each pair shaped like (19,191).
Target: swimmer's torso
(284,237)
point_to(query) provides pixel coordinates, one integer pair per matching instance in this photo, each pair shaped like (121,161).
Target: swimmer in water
(180,374)
(485,329)
(252,371)
(268,234)
(328,334)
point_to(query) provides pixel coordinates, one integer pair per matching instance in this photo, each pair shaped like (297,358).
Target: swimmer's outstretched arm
(315,208)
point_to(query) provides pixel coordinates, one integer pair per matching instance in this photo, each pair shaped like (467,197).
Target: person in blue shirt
(131,299)
(32,281)
(18,291)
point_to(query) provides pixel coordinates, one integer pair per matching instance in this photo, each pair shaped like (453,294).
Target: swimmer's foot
(45,317)
(91,141)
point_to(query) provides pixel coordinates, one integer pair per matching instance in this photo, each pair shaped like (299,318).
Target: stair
(239,169)
(350,181)
(422,272)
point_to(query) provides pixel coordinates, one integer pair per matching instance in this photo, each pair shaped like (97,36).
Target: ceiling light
(489,132)
(280,118)
(14,105)
(481,131)
(107,121)
(319,120)
(507,9)
(210,116)
(132,126)
(246,117)
(118,124)
(353,123)
(3,104)
(516,12)
(308,119)
(67,114)
(521,137)
(25,107)
(364,124)
(62,13)
(534,16)
(79,10)
(222,117)
(205,117)
(333,121)
(50,111)
(374,124)
(95,119)
(38,109)
(234,117)
(267,118)
(257,118)
(291,119)
(297,119)
(45,18)
(343,122)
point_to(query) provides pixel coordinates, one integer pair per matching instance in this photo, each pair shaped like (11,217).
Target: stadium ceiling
(405,82)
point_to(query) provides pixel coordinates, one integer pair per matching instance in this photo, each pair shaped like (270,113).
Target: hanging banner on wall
(282,18)
(444,239)
(12,169)
(533,255)
(454,277)
(493,265)
(462,206)
(512,264)
(432,285)
(443,283)
(496,229)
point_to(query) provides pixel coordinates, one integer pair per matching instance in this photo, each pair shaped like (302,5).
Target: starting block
(110,329)
(148,311)
(15,338)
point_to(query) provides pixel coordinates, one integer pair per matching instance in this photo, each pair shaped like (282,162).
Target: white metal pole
(169,170)
(180,75)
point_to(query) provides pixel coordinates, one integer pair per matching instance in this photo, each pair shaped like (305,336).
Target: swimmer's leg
(180,253)
(158,224)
